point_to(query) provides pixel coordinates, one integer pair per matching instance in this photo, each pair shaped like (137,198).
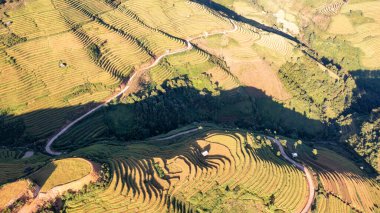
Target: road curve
(155,62)
(309,176)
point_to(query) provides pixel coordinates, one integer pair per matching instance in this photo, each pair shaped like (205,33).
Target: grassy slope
(60,172)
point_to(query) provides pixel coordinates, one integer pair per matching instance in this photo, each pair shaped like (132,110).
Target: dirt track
(156,61)
(41,198)
(309,176)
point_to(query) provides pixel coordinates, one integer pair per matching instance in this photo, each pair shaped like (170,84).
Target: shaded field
(60,172)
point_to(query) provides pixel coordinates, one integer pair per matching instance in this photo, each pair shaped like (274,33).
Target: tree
(315,152)
(271,200)
(298,142)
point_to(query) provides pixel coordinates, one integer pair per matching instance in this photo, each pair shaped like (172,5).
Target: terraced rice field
(359,23)
(189,18)
(6,154)
(199,66)
(55,62)
(332,8)
(83,133)
(254,57)
(346,185)
(12,167)
(330,203)
(235,161)
(276,43)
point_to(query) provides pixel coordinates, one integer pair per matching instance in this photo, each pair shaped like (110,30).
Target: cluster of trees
(366,142)
(173,104)
(11,39)
(315,92)
(159,170)
(94,51)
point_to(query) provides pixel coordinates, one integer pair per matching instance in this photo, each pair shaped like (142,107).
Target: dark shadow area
(13,169)
(175,104)
(42,175)
(359,131)
(368,91)
(33,128)
(163,110)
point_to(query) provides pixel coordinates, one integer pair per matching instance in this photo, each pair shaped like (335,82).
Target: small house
(205,153)
(8,23)
(62,64)
(294,154)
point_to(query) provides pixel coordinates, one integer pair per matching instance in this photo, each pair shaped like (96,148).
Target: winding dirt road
(309,176)
(189,46)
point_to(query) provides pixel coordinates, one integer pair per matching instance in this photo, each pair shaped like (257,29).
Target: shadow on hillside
(367,98)
(42,175)
(228,13)
(158,113)
(368,91)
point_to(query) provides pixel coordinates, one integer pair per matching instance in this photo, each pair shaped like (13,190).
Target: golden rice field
(360,24)
(13,191)
(60,172)
(160,176)
(55,64)
(253,56)
(330,203)
(347,187)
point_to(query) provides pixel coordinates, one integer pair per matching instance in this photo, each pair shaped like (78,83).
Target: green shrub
(94,51)
(11,39)
(159,170)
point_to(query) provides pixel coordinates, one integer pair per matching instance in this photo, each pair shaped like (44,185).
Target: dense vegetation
(315,90)
(366,141)
(167,106)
